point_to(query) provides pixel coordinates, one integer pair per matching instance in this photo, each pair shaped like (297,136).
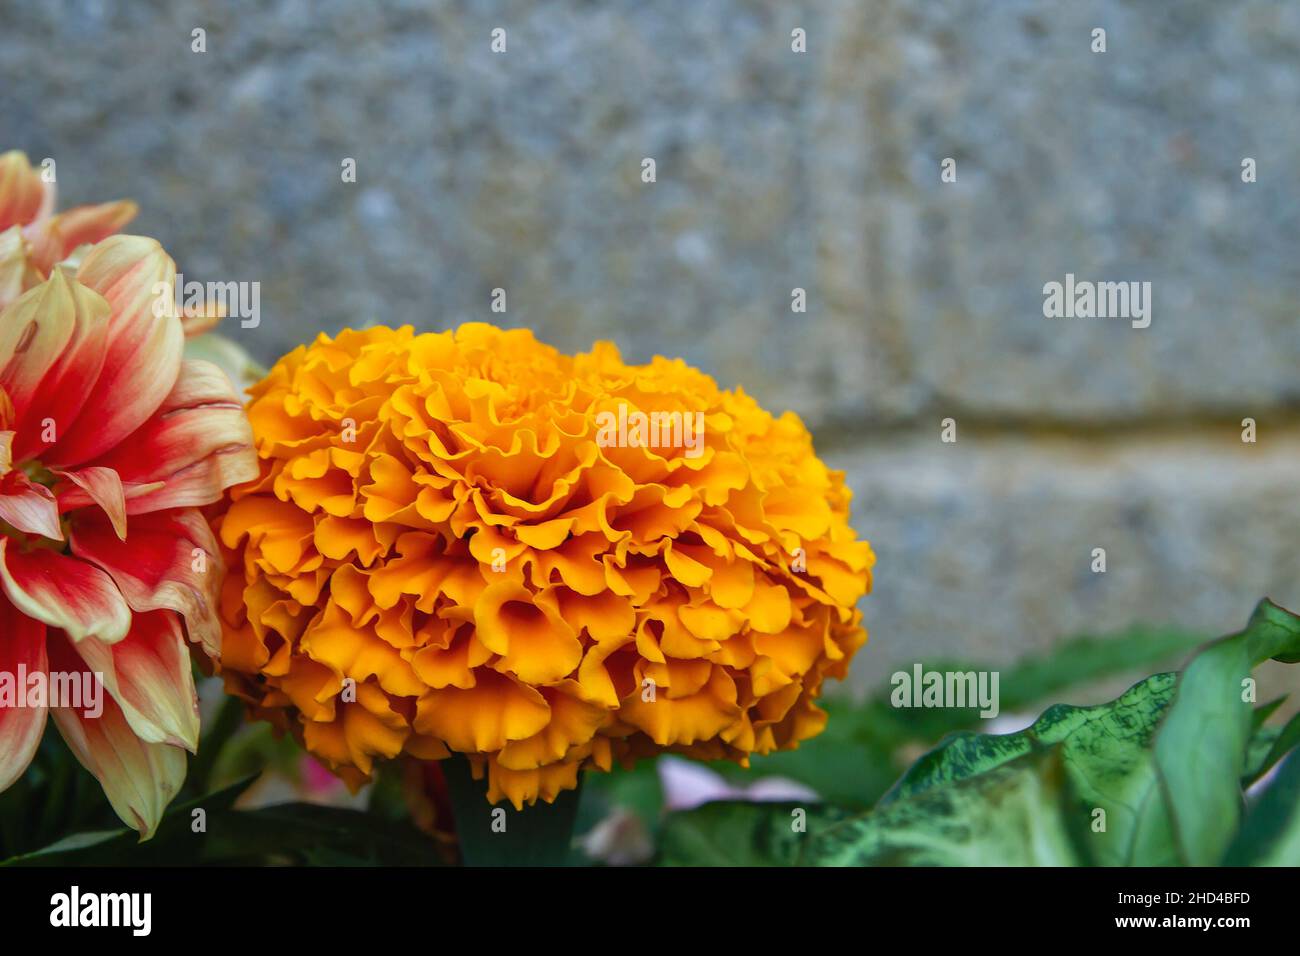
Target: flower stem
(540,835)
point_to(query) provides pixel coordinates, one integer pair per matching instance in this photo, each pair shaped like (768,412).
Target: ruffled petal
(487,716)
(450,518)
(534,641)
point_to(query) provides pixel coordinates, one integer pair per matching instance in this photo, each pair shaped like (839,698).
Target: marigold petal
(485,717)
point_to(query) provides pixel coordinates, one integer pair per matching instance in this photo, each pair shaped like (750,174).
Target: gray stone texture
(779,170)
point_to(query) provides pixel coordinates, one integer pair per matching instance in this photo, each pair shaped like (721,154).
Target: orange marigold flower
(469,542)
(109,443)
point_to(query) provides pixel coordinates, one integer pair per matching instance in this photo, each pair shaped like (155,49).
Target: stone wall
(776,170)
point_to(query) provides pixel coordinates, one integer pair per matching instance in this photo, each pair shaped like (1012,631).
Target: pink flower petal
(64,592)
(22,647)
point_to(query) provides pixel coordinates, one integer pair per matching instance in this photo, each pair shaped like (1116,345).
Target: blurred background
(779,170)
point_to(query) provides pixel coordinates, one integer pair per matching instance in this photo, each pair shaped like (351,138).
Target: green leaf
(1081,785)
(175,842)
(737,833)
(1270,835)
(1267,746)
(284,833)
(1012,815)
(1105,760)
(228,720)
(316,835)
(1210,720)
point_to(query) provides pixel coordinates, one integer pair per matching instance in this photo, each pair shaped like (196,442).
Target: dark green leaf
(1270,835)
(308,833)
(174,843)
(1012,815)
(229,718)
(1106,761)
(1267,746)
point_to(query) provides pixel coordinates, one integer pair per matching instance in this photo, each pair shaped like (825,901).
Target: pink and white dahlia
(110,442)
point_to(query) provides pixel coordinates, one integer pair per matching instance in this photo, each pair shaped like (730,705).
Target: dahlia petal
(139,778)
(143,348)
(170,560)
(197,443)
(22,647)
(50,355)
(53,238)
(148,674)
(64,592)
(17,274)
(98,485)
(22,193)
(29,507)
